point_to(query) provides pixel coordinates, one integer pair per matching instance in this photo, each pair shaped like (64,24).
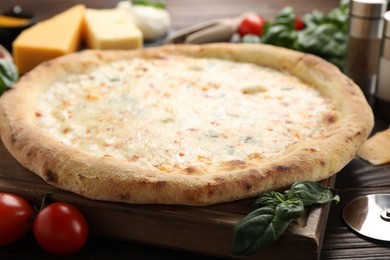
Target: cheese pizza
(184,124)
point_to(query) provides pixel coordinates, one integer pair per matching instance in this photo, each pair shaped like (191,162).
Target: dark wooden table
(356,179)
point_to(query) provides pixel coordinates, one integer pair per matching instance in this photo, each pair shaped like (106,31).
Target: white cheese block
(111,29)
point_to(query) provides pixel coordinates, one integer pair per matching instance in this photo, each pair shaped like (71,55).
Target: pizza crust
(107,178)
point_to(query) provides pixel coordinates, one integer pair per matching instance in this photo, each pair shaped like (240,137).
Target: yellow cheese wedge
(376,150)
(49,39)
(111,29)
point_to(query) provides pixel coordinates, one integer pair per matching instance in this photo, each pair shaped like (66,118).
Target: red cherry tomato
(15,218)
(60,229)
(299,23)
(252,24)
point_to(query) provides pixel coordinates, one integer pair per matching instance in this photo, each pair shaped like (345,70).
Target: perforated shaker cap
(368,8)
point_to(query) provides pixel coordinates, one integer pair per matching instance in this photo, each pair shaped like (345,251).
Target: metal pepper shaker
(364,43)
(382,95)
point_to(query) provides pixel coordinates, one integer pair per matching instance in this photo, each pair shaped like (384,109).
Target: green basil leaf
(271,198)
(262,227)
(324,34)
(281,32)
(279,35)
(312,193)
(325,40)
(286,17)
(314,18)
(160,5)
(253,231)
(315,39)
(339,16)
(8,74)
(285,213)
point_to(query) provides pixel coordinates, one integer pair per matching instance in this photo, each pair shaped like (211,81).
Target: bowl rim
(25,15)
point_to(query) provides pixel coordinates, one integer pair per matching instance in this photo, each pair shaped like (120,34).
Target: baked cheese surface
(172,113)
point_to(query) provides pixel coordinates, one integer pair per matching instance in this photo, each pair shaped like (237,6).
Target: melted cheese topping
(178,112)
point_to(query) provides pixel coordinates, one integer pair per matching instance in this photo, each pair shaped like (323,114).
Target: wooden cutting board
(204,230)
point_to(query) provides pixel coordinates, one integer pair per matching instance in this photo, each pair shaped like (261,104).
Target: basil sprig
(8,74)
(273,214)
(324,34)
(160,5)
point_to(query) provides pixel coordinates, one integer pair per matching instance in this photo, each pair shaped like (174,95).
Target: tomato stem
(43,201)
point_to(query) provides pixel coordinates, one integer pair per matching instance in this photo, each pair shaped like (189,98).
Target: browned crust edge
(106,178)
